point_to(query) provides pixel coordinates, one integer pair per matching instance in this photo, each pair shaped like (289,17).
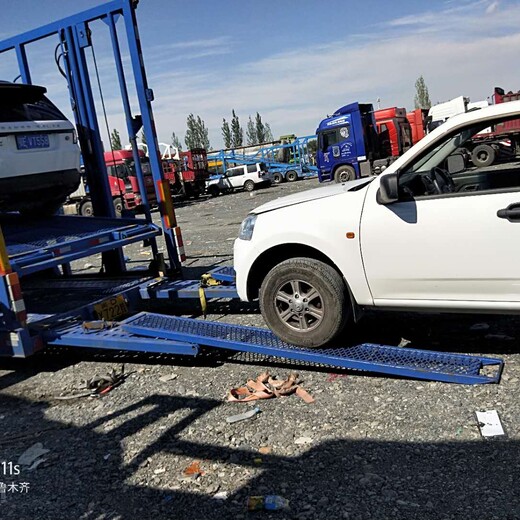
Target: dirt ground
(369,447)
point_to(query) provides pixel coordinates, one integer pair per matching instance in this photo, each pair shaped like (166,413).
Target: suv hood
(314,194)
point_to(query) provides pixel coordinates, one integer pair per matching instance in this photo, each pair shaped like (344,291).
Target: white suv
(247,176)
(39,154)
(434,232)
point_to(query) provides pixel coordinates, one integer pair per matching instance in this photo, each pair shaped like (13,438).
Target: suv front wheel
(304,302)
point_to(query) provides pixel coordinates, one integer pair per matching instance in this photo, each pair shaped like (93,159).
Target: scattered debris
(265,450)
(221,495)
(489,423)
(501,337)
(268,502)
(332,377)
(303,440)
(193,470)
(168,377)
(257,461)
(243,416)
(266,387)
(404,342)
(99,385)
(31,456)
(159,471)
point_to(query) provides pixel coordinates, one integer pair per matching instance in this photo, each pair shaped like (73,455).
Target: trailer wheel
(344,174)
(249,185)
(304,302)
(291,176)
(277,178)
(86,209)
(483,155)
(118,206)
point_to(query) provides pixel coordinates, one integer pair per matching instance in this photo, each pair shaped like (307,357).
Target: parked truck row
(357,141)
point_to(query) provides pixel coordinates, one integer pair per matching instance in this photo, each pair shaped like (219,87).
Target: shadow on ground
(367,479)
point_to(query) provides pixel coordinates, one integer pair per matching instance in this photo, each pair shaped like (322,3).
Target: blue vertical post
(23,64)
(111,22)
(145,97)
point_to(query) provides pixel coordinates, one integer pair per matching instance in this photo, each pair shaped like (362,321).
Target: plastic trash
(267,502)
(243,416)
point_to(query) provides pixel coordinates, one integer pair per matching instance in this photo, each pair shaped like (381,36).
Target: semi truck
(395,132)
(418,123)
(349,145)
(494,143)
(124,188)
(188,173)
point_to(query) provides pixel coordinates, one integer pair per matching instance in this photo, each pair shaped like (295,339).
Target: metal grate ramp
(420,364)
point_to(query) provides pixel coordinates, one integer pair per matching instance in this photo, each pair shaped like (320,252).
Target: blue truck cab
(348,144)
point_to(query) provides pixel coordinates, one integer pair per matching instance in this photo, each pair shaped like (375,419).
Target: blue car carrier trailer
(106,311)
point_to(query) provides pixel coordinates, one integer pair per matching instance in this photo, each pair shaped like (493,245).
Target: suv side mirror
(388,189)
(455,163)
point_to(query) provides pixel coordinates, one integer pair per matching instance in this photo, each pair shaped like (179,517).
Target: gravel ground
(369,447)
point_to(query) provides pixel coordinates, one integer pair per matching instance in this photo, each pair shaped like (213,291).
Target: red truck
(418,122)
(395,134)
(188,175)
(124,188)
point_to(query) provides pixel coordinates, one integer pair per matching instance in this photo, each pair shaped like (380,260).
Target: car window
(234,172)
(478,158)
(41,110)
(251,168)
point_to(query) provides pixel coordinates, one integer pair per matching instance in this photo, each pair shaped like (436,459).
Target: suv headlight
(247,227)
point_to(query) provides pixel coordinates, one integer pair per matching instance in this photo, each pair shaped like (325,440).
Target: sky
(294,62)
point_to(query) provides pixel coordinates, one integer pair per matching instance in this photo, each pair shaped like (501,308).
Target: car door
(236,177)
(441,250)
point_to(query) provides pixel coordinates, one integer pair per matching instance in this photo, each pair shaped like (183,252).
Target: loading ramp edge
(414,363)
(116,339)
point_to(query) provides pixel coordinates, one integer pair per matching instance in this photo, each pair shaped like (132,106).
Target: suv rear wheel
(304,302)
(249,185)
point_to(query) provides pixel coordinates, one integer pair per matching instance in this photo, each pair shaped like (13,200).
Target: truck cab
(120,165)
(395,133)
(347,143)
(417,119)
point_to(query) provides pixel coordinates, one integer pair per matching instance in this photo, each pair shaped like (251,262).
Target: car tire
(483,155)
(283,302)
(213,191)
(86,209)
(344,174)
(249,185)
(118,206)
(277,178)
(291,176)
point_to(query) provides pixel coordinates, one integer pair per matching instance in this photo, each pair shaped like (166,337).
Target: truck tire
(277,178)
(483,155)
(249,185)
(344,173)
(118,206)
(291,176)
(86,209)
(304,302)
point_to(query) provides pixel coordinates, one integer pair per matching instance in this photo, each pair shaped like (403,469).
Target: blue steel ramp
(420,364)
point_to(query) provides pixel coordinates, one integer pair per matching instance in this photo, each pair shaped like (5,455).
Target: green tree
(268,134)
(143,138)
(422,96)
(176,142)
(115,140)
(260,129)
(237,133)
(251,135)
(197,135)
(226,134)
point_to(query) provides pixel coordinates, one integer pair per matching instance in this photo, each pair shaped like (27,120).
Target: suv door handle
(511,213)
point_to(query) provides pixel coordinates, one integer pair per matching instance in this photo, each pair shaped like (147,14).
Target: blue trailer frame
(113,319)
